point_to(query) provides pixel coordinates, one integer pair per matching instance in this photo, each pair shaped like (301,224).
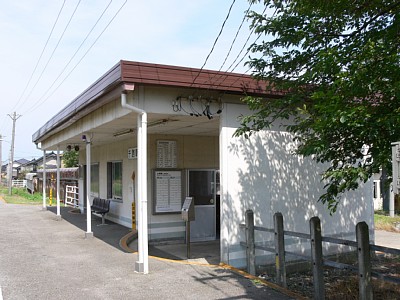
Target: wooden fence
(362,245)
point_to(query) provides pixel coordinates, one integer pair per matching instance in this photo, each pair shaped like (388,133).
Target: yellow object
(133,216)
(51,190)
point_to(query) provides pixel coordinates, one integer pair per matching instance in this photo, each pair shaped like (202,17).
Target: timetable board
(166,154)
(167,191)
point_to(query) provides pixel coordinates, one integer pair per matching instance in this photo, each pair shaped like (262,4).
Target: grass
(20,196)
(384,222)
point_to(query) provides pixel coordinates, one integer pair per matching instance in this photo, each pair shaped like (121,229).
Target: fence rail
(72,196)
(316,239)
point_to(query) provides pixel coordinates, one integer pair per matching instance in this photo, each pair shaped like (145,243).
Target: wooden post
(316,256)
(250,249)
(364,261)
(280,266)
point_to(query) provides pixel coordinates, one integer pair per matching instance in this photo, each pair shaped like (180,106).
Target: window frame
(111,181)
(97,181)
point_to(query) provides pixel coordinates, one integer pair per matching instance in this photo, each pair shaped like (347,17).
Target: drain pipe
(142,265)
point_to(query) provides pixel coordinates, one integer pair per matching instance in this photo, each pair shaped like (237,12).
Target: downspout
(141,266)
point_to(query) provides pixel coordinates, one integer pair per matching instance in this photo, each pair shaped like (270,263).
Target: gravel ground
(343,284)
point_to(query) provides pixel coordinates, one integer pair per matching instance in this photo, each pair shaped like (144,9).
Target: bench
(100,206)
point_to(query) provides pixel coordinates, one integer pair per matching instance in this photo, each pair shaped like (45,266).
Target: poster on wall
(167,191)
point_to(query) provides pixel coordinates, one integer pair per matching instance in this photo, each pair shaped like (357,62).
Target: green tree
(337,64)
(70,158)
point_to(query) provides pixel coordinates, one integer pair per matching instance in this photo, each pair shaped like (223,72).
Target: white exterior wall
(120,211)
(263,175)
(195,152)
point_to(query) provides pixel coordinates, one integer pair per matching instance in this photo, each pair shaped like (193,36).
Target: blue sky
(166,32)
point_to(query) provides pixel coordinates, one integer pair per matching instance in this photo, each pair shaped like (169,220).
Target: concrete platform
(42,258)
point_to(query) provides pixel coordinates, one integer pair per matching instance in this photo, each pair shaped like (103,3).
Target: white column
(144,196)
(58,183)
(142,265)
(44,181)
(89,233)
(139,263)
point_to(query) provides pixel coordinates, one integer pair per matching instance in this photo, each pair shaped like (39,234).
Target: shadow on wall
(273,179)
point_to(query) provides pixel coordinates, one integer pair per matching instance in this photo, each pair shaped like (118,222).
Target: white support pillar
(142,265)
(44,181)
(58,184)
(89,233)
(139,263)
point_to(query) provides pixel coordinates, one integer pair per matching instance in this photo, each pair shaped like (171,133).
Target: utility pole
(14,118)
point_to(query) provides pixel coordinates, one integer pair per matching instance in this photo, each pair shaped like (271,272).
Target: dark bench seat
(100,206)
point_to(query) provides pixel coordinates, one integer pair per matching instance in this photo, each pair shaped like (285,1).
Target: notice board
(168,192)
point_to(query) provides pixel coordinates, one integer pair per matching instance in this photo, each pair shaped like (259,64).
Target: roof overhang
(128,73)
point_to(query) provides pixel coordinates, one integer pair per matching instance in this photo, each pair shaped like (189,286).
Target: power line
(215,42)
(54,50)
(233,42)
(84,55)
(243,57)
(237,33)
(73,56)
(37,63)
(41,54)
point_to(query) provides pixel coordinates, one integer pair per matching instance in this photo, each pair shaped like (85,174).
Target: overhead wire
(230,69)
(54,50)
(234,40)
(40,56)
(37,62)
(215,42)
(80,60)
(73,56)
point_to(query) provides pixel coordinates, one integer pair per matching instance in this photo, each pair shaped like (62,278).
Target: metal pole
(188,239)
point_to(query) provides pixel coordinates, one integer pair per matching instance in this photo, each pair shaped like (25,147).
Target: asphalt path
(42,257)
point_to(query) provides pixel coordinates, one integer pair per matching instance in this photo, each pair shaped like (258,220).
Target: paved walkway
(45,258)
(387,239)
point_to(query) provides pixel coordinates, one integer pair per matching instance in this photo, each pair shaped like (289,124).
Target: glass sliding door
(203,187)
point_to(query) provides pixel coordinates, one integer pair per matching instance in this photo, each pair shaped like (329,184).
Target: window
(114,180)
(94,179)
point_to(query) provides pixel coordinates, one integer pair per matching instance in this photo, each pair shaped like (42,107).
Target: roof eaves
(97,89)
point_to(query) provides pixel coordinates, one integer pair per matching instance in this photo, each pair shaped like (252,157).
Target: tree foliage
(338,65)
(71,158)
